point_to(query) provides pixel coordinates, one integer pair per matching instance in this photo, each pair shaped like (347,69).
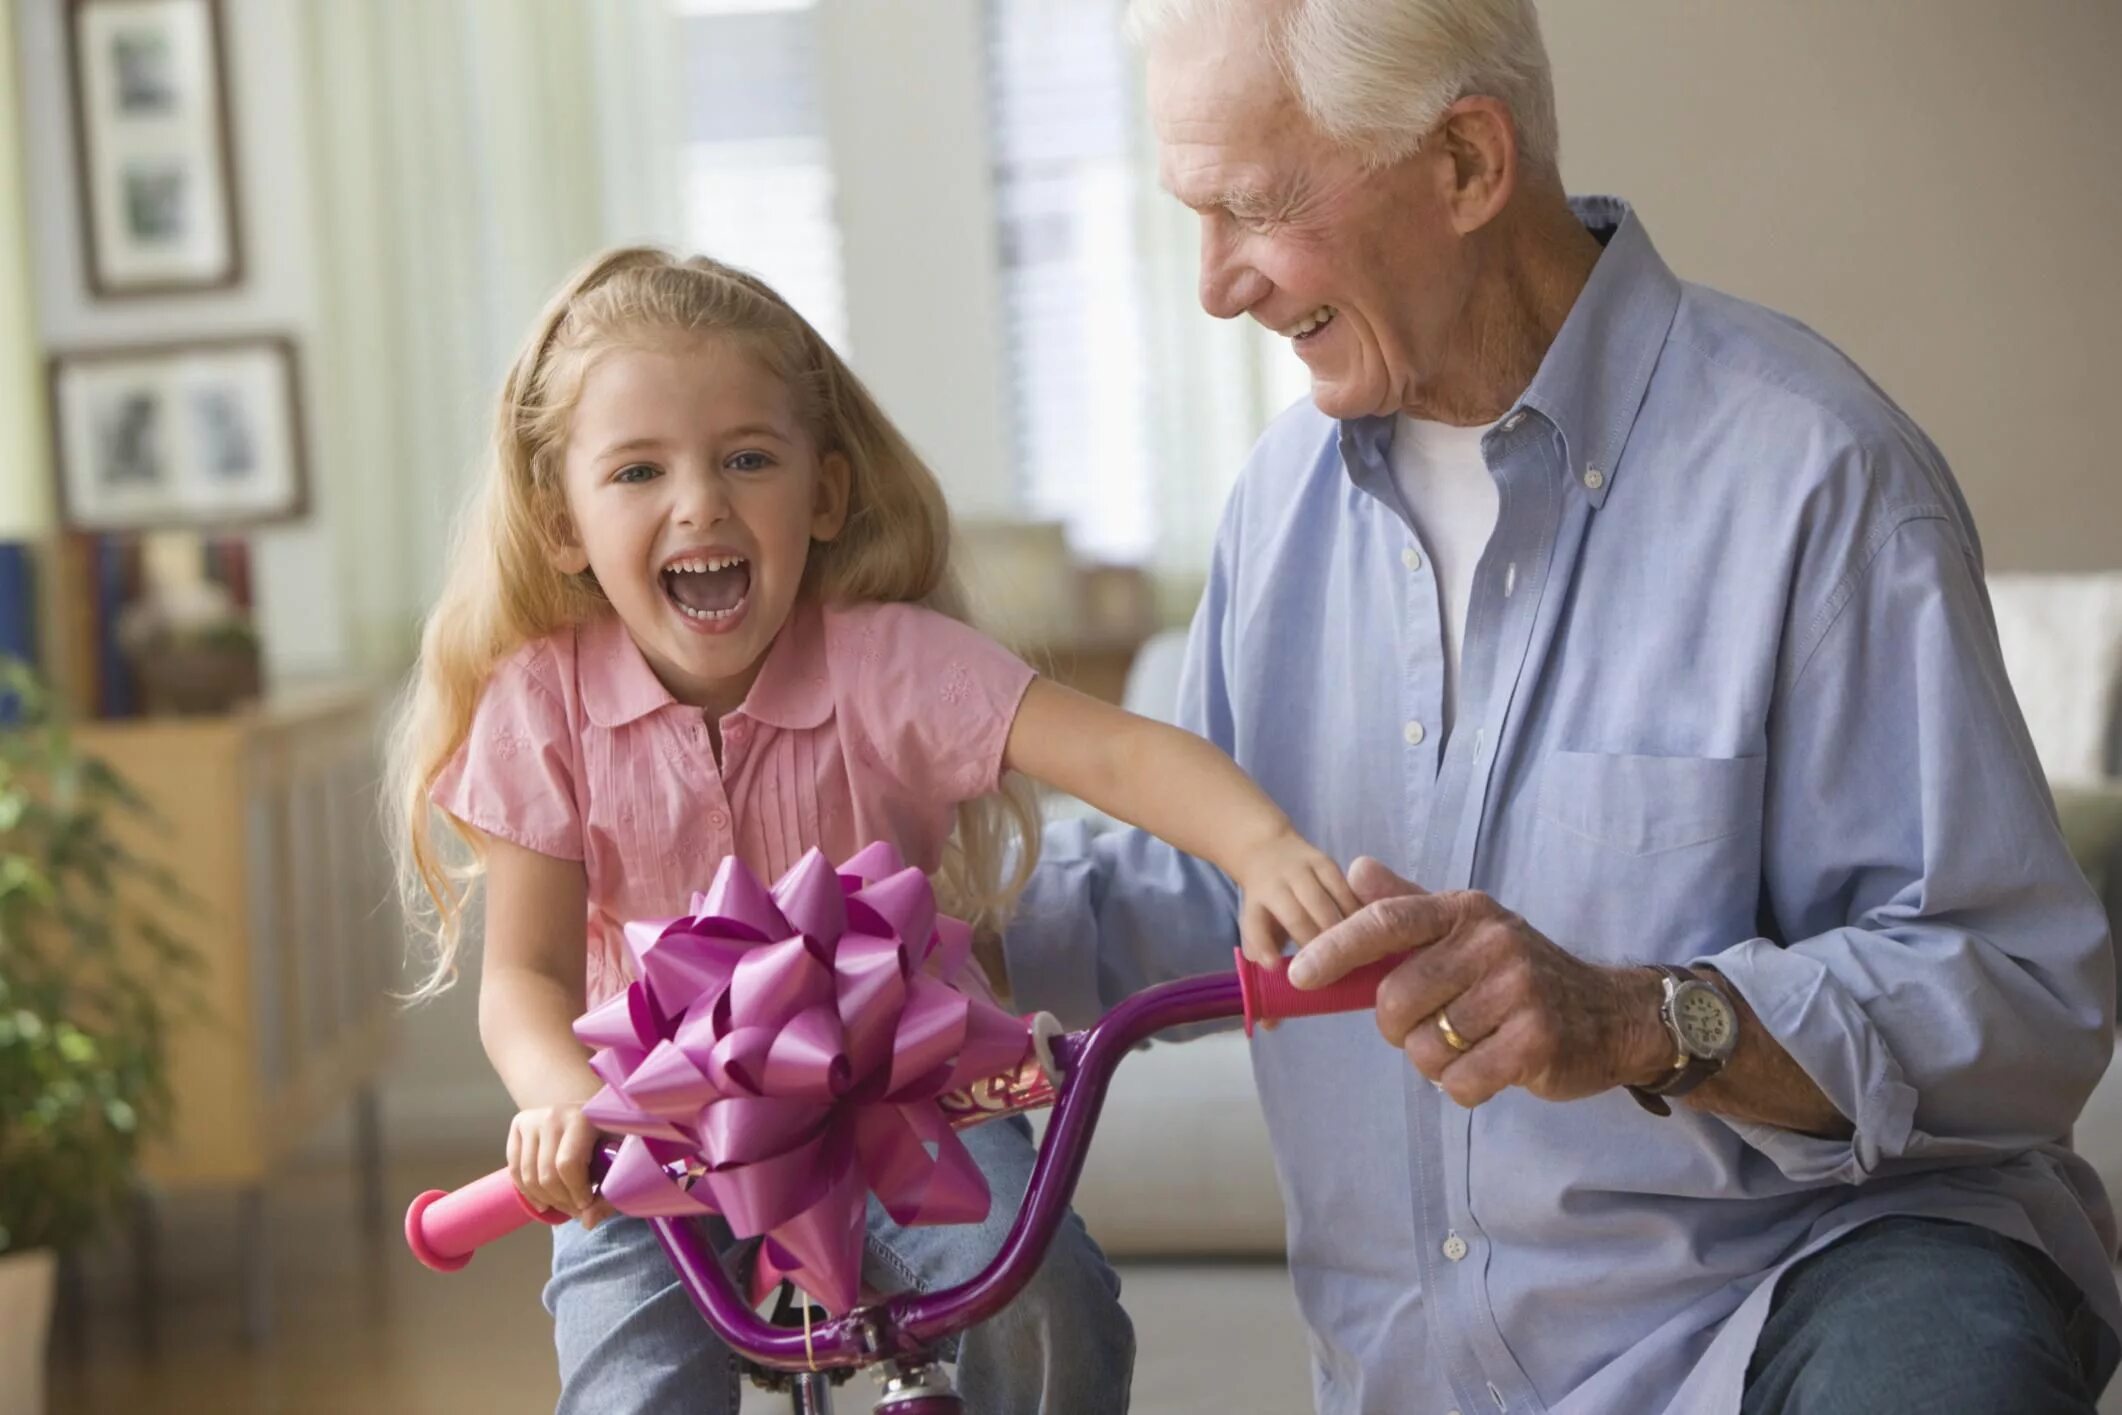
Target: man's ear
(829,501)
(1480,138)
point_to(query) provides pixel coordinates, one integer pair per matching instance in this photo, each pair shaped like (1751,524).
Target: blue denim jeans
(631,1343)
(1910,1315)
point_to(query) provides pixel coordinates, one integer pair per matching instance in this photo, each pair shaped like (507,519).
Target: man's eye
(638,472)
(749,462)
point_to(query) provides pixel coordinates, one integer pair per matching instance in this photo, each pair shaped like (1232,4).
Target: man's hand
(1532,1014)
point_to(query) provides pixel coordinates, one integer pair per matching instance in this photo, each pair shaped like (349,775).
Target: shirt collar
(1593,377)
(793,689)
(1595,374)
(617,683)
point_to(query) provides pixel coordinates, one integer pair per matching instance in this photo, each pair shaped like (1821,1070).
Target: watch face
(1705,1020)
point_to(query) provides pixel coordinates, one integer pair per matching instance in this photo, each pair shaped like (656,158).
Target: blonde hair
(504,589)
(1376,75)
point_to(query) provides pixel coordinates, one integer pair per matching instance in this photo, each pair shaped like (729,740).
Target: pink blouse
(867,722)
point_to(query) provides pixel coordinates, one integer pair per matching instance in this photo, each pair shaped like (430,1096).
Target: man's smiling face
(1360,267)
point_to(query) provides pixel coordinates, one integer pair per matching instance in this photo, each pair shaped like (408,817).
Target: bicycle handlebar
(443,1229)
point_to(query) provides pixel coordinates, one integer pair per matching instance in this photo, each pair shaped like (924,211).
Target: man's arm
(1944,987)
(1532,1014)
(1942,970)
(1760,1084)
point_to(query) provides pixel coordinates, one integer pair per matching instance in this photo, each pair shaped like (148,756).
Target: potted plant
(88,981)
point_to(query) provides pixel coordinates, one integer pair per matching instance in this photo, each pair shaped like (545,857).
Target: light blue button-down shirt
(1730,694)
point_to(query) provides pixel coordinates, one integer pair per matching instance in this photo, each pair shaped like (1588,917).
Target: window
(758,182)
(1062,99)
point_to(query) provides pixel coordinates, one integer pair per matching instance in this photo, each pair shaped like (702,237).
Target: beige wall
(1936,187)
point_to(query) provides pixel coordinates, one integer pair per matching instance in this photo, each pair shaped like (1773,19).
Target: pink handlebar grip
(443,1228)
(1270,997)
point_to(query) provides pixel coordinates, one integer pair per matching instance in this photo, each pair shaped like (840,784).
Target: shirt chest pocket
(1642,858)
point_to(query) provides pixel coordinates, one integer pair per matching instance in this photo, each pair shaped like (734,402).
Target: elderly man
(1749,992)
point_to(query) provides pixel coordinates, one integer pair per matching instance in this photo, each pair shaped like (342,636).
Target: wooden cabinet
(270,819)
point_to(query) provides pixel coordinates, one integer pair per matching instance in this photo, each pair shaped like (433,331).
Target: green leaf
(90,984)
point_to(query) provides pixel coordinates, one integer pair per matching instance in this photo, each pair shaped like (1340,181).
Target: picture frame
(197,433)
(154,161)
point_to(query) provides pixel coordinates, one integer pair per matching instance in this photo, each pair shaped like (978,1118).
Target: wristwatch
(1704,1027)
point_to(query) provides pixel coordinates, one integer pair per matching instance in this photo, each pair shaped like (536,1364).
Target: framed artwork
(154,164)
(205,433)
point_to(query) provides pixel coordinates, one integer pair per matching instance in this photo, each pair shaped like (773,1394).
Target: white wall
(299,595)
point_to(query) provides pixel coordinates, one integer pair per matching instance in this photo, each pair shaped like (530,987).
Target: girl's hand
(549,1149)
(1292,891)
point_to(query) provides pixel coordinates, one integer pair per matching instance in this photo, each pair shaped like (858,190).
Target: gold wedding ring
(1450,1033)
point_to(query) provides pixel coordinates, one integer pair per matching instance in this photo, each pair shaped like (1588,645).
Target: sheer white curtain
(890,169)
(1131,409)
(757,181)
(1214,385)
(25,491)
(465,155)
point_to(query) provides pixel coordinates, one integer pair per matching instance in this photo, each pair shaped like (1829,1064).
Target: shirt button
(719,820)
(1510,424)
(1480,740)
(1454,1247)
(1510,579)
(1414,733)
(1411,558)
(1594,478)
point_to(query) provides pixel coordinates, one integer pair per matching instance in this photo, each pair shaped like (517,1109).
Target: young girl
(702,607)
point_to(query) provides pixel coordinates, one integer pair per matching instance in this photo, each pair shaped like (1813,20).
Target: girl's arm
(530,993)
(1184,790)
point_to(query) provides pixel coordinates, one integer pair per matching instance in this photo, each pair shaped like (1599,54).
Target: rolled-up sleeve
(1108,914)
(1941,969)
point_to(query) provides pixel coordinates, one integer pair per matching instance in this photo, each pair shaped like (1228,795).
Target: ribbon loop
(787,1045)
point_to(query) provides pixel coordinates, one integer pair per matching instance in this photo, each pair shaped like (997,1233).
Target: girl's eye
(638,472)
(750,462)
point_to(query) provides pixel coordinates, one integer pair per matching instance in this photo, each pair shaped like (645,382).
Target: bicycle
(806,1354)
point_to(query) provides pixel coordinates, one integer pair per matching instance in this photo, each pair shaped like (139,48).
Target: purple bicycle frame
(900,1333)
(910,1324)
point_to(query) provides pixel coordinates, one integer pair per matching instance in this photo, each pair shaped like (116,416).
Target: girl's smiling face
(693,494)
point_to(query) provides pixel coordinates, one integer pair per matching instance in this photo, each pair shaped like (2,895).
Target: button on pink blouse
(867,722)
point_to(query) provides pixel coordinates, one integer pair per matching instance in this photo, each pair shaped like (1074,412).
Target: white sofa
(1181,1165)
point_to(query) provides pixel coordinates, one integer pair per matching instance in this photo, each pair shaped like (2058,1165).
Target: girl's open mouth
(708,589)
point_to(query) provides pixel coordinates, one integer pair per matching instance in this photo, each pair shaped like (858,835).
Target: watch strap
(1689,1070)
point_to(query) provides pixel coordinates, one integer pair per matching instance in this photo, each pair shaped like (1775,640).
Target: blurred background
(263,263)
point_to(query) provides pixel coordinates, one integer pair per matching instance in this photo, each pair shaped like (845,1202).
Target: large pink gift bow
(792,1043)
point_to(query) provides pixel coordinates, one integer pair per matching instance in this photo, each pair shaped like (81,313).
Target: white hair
(1376,75)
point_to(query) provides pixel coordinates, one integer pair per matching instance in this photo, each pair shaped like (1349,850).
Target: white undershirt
(1453,500)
